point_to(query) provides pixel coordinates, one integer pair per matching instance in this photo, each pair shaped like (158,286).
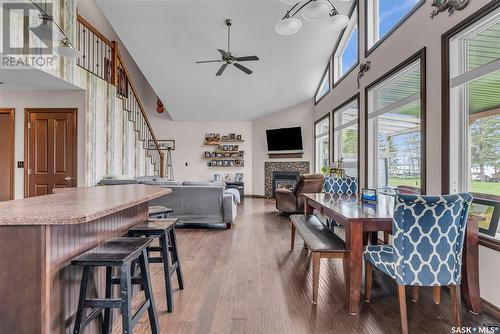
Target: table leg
(354,245)
(470,268)
(308,209)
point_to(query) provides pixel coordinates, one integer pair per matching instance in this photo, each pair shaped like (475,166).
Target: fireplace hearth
(284,180)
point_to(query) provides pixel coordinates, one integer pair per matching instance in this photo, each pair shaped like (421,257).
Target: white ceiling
(166,37)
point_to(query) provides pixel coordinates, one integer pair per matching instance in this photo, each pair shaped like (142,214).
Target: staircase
(102,58)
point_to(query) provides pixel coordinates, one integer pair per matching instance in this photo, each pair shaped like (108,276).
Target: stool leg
(166,269)
(175,253)
(81,301)
(125,293)
(148,293)
(108,312)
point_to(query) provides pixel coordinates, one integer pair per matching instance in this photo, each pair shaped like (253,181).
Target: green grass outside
(492,188)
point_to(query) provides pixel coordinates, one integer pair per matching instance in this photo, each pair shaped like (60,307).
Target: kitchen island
(38,238)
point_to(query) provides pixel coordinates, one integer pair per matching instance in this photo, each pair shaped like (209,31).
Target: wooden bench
(322,243)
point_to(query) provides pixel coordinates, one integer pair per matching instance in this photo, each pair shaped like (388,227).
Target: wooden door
(51,151)
(6,154)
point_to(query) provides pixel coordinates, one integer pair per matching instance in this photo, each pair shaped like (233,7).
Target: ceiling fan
(228,58)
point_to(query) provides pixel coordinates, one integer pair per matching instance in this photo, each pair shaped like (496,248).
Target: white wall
(417,32)
(43,99)
(189,148)
(298,115)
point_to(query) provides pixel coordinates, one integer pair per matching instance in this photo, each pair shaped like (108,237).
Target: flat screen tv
(284,139)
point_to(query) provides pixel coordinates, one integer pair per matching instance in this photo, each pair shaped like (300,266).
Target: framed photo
(217,177)
(487,215)
(207,154)
(369,195)
(225,147)
(209,164)
(241,153)
(219,162)
(224,138)
(232,136)
(238,177)
(231,162)
(227,177)
(165,145)
(236,147)
(230,148)
(226,162)
(238,137)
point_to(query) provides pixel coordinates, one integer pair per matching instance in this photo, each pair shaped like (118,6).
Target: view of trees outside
(322,133)
(345,137)
(485,155)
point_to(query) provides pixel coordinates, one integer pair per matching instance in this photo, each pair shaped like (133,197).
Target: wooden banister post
(162,164)
(114,73)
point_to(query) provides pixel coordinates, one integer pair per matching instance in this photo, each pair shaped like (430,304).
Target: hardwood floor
(246,280)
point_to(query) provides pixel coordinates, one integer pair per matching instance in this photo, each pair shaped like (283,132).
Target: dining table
(362,220)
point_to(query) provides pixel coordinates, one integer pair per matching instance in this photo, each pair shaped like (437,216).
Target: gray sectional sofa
(193,202)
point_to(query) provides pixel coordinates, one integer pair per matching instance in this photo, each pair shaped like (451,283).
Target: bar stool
(164,230)
(120,253)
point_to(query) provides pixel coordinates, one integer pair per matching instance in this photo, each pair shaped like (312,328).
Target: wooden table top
(76,205)
(351,208)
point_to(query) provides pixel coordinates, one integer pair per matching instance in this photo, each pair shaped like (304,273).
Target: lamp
(288,26)
(312,10)
(66,50)
(316,10)
(336,23)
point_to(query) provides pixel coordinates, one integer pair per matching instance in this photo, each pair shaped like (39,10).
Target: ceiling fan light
(316,10)
(336,23)
(290,2)
(288,26)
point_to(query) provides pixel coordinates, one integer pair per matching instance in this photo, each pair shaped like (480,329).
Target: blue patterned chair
(429,236)
(341,185)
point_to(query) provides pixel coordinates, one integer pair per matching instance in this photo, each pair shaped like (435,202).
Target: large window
(384,16)
(345,136)
(324,87)
(345,56)
(322,143)
(474,112)
(394,132)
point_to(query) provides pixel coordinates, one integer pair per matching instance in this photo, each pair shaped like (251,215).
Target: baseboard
(254,196)
(491,309)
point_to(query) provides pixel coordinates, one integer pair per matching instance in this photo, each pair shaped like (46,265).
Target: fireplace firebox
(284,180)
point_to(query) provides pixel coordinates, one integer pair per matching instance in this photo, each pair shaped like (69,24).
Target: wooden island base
(39,287)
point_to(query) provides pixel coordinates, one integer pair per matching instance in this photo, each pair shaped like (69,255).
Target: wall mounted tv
(284,139)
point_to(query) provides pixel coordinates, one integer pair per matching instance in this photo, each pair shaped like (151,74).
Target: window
(474,113)
(394,132)
(324,87)
(345,56)
(346,137)
(384,16)
(322,143)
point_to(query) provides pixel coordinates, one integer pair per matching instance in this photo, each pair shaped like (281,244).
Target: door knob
(68,178)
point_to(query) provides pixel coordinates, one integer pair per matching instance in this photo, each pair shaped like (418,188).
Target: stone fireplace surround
(281,166)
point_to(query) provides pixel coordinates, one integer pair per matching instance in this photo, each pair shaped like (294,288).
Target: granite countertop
(76,205)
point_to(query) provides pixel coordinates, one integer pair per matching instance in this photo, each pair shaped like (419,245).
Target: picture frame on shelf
(230,148)
(226,162)
(232,136)
(236,147)
(241,154)
(231,162)
(216,177)
(227,177)
(238,177)
(224,138)
(225,147)
(237,163)
(238,137)
(207,154)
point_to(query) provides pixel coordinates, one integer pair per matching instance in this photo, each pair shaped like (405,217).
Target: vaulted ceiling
(166,38)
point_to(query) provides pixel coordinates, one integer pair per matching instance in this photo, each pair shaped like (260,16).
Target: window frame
(421,56)
(355,6)
(321,119)
(329,80)
(369,50)
(355,97)
(484,240)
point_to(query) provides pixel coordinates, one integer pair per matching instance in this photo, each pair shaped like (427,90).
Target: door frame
(12,114)
(27,113)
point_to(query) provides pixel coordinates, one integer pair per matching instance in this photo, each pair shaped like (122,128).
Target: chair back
(307,183)
(341,185)
(428,238)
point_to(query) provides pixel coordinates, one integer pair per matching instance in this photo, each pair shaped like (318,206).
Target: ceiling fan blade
(221,69)
(209,61)
(247,58)
(243,68)
(223,53)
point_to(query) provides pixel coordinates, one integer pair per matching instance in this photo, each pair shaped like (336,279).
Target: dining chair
(341,185)
(428,238)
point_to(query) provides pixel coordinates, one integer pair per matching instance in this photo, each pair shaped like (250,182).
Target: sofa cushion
(203,183)
(113,182)
(161,182)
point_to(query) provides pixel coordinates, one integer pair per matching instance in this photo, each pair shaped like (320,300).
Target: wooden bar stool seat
(120,253)
(164,230)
